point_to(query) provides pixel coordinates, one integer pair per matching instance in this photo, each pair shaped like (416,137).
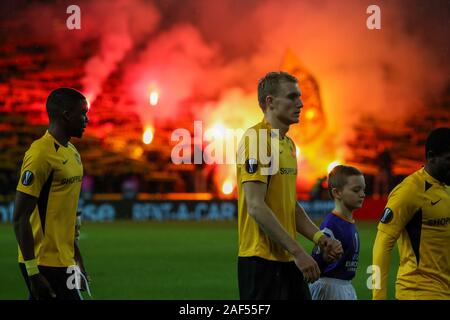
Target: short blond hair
(270,83)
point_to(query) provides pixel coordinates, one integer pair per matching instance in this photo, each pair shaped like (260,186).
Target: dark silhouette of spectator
(130,187)
(211,172)
(383,178)
(4,184)
(180,185)
(320,190)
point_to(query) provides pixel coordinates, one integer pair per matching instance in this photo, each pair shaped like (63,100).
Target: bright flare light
(154,96)
(297,151)
(218,130)
(310,114)
(332,165)
(147,137)
(227,187)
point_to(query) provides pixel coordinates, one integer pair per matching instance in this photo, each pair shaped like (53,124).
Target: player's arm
(77,253)
(400,208)
(382,250)
(78,257)
(80,263)
(331,247)
(23,208)
(34,173)
(255,193)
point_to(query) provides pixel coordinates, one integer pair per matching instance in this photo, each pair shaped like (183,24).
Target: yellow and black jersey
(418,215)
(279,174)
(52,173)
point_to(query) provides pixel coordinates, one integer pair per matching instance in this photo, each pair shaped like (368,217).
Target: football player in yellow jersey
(47,199)
(271,263)
(417,217)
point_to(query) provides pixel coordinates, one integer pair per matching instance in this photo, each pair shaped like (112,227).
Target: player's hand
(331,248)
(307,266)
(40,288)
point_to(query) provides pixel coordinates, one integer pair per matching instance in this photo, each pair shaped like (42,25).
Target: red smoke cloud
(207,56)
(199,49)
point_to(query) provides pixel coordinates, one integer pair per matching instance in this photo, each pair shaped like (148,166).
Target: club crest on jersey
(251,165)
(388,214)
(27,178)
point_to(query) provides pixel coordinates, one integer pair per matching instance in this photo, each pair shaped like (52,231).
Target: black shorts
(57,277)
(261,279)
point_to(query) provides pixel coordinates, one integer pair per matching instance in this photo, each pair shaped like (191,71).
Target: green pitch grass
(164,260)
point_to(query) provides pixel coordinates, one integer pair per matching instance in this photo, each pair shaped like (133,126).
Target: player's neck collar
(430,178)
(343,217)
(56,141)
(268,126)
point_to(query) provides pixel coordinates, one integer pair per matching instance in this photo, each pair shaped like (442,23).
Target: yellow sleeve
(252,161)
(400,208)
(382,250)
(34,172)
